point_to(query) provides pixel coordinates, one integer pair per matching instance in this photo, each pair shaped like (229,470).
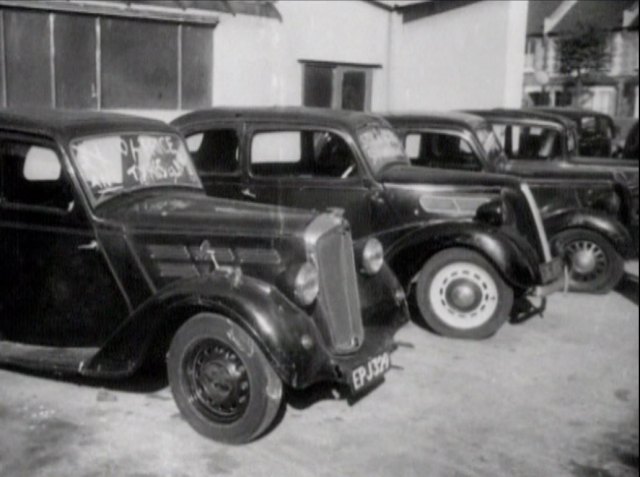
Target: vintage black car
(596,130)
(465,244)
(113,256)
(531,137)
(580,209)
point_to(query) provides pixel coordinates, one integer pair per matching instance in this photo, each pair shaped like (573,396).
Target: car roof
(448,118)
(527,115)
(71,124)
(331,117)
(573,113)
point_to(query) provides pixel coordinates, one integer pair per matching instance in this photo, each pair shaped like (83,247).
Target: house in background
(163,57)
(613,91)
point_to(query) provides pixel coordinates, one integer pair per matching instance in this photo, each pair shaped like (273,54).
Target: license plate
(552,270)
(370,373)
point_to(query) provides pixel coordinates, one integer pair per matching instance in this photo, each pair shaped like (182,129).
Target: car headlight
(306,284)
(372,257)
(495,212)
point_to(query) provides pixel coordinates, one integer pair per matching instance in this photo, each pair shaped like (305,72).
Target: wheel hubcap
(217,380)
(588,260)
(464,295)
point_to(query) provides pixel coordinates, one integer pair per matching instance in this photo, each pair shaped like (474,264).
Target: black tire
(221,381)
(609,267)
(480,319)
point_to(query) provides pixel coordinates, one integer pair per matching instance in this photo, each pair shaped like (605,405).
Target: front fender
(272,320)
(595,221)
(512,256)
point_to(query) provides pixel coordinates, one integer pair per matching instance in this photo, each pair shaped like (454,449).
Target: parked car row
(258,249)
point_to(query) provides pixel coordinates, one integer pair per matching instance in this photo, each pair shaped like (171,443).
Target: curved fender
(595,221)
(512,256)
(276,324)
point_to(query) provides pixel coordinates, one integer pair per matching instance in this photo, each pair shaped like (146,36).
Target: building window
(95,61)
(337,86)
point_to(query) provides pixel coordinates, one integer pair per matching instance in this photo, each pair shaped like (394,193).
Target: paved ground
(550,397)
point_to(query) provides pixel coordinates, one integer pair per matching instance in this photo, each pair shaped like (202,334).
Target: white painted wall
(470,57)
(257,60)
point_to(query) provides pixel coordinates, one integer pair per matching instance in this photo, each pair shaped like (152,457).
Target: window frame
(64,176)
(356,179)
(218,126)
(463,135)
(98,13)
(338,71)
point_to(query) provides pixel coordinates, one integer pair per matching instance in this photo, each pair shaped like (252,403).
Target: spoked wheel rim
(588,260)
(217,381)
(464,295)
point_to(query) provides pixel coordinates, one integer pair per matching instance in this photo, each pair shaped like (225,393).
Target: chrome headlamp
(495,212)
(306,284)
(372,257)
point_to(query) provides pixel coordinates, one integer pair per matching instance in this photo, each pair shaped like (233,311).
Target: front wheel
(595,266)
(461,295)
(221,381)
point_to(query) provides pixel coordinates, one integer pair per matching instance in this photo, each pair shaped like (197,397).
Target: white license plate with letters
(370,373)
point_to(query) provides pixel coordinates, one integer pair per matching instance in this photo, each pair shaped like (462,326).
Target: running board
(44,358)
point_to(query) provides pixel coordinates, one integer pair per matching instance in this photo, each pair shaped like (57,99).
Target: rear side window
(215,151)
(529,142)
(32,176)
(441,151)
(305,153)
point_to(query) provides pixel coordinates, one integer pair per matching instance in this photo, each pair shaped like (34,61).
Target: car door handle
(248,193)
(93,245)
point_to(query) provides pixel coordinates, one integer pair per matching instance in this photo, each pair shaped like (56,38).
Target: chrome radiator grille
(339,301)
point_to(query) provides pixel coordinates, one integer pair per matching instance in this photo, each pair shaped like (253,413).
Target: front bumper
(554,276)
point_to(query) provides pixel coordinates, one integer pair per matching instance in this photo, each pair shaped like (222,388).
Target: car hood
(190,212)
(426,176)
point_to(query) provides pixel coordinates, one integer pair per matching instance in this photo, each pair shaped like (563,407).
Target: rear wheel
(595,266)
(221,381)
(461,295)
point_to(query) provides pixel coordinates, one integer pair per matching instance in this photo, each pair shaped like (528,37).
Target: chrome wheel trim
(471,277)
(588,261)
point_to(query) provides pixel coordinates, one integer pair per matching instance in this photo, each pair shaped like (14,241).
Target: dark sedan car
(595,130)
(465,244)
(113,256)
(532,139)
(579,208)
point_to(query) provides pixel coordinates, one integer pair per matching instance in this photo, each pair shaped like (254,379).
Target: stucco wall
(471,57)
(257,60)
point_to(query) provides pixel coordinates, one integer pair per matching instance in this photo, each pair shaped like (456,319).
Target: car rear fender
(592,220)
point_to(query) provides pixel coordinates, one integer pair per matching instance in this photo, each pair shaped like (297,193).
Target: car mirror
(41,165)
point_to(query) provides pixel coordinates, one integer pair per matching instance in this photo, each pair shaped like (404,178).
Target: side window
(441,151)
(32,175)
(588,126)
(531,143)
(302,154)
(215,151)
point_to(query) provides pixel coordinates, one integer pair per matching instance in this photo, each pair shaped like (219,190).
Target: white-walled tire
(221,381)
(461,295)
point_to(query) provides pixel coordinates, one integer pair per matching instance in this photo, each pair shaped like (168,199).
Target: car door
(216,151)
(312,168)
(57,287)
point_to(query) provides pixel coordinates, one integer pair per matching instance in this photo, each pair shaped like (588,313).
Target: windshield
(116,164)
(490,143)
(382,147)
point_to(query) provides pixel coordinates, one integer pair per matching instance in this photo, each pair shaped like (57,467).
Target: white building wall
(257,60)
(470,57)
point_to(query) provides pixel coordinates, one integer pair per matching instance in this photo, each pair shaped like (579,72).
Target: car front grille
(338,309)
